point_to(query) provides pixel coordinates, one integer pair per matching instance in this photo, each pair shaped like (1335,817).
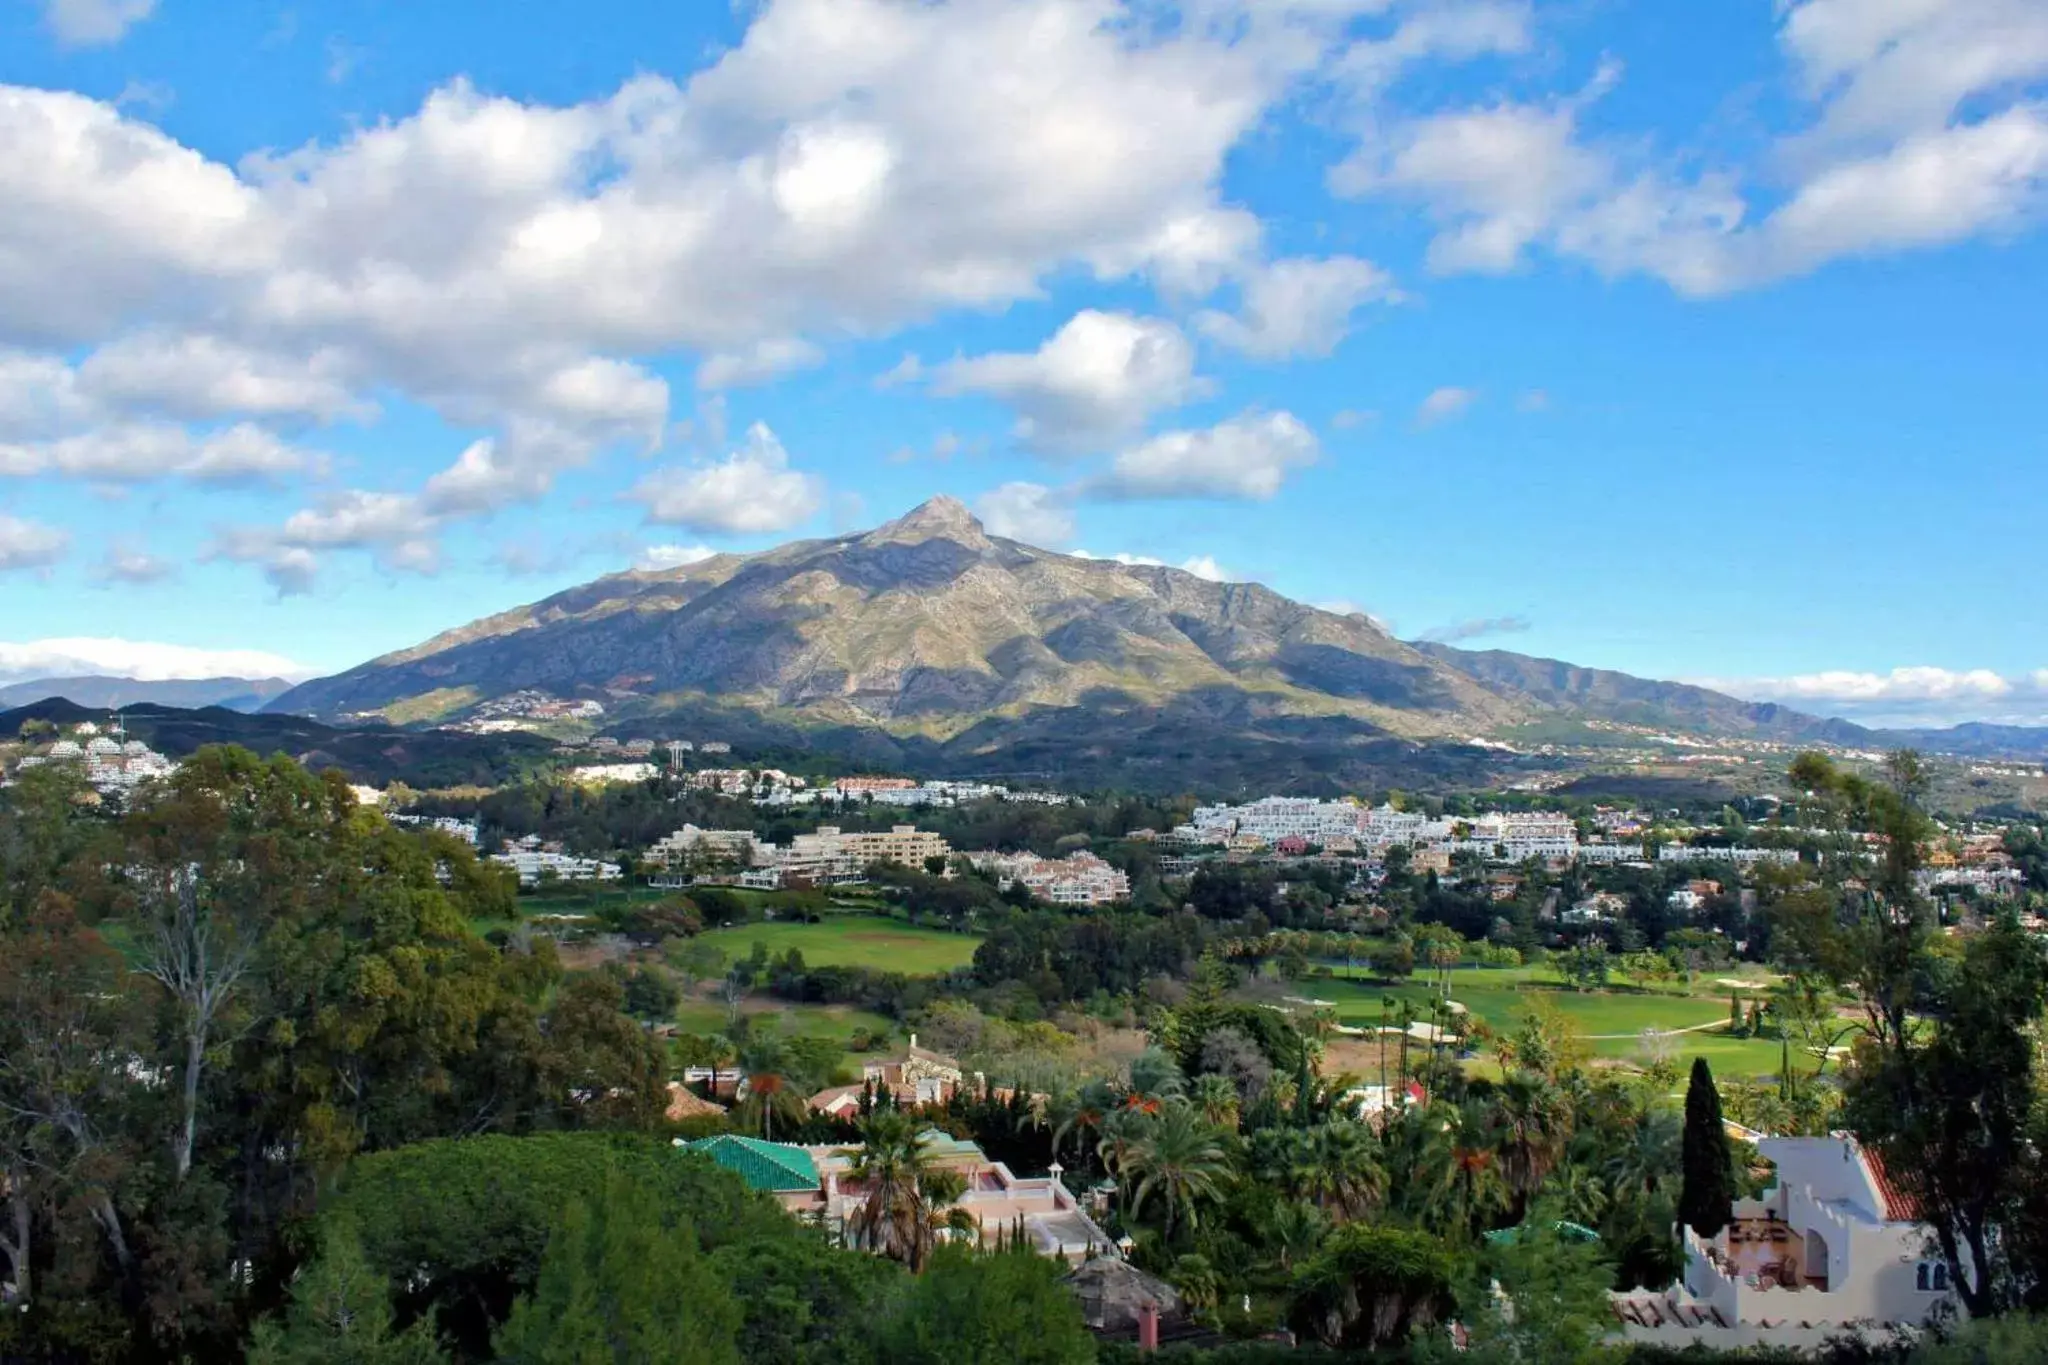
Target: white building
(690,849)
(1078,879)
(534,865)
(1835,1244)
(600,773)
(1273,818)
(1741,857)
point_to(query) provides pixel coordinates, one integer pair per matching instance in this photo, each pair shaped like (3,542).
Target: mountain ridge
(928,636)
(110,692)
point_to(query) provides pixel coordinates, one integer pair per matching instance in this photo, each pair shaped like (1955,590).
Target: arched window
(1931,1277)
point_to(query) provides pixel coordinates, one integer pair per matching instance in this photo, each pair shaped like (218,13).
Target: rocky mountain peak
(939,518)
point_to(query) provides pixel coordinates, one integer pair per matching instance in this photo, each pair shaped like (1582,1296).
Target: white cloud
(1094,381)
(1496,178)
(1201,566)
(848,167)
(196,377)
(126,564)
(136,451)
(1887,68)
(752,491)
(1458,31)
(29,544)
(146,661)
(762,361)
(94,23)
(1927,131)
(1344,606)
(1247,456)
(400,532)
(1443,404)
(1919,695)
(1029,512)
(1476,628)
(1298,307)
(656,558)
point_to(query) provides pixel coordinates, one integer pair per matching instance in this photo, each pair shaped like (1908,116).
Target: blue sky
(1697,341)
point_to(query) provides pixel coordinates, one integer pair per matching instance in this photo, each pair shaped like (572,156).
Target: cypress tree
(1706,1199)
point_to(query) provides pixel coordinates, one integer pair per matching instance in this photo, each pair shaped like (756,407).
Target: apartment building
(1078,879)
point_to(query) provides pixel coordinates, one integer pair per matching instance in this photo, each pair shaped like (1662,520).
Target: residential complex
(1833,1245)
(818,1184)
(1078,879)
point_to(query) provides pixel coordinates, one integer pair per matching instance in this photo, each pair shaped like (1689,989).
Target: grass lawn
(853,941)
(1613,1020)
(836,1022)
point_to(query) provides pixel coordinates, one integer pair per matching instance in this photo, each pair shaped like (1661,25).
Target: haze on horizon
(1705,350)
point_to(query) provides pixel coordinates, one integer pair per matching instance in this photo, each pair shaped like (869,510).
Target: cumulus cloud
(94,23)
(656,558)
(1029,512)
(30,544)
(1201,566)
(1913,695)
(764,360)
(752,491)
(847,167)
(1927,129)
(1476,628)
(137,451)
(1297,307)
(398,530)
(1248,457)
(132,566)
(143,660)
(1443,404)
(1093,382)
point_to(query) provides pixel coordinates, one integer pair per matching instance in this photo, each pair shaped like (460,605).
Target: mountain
(374,754)
(1601,694)
(929,644)
(930,634)
(105,693)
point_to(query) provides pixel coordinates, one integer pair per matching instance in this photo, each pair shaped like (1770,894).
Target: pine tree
(1706,1199)
(617,1286)
(340,1314)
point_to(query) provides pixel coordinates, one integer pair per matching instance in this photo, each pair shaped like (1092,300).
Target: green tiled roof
(943,1144)
(769,1166)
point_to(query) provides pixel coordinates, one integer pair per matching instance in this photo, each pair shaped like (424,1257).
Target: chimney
(1148,1328)
(913,1040)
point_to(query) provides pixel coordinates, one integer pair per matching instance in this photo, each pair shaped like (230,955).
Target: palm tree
(1345,1175)
(1460,1182)
(1531,1124)
(769,1097)
(1182,1158)
(893,1165)
(1217,1098)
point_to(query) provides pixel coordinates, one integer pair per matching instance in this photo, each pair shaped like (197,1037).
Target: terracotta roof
(828,1098)
(684,1104)
(1899,1204)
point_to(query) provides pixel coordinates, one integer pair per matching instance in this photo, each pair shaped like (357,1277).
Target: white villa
(1833,1246)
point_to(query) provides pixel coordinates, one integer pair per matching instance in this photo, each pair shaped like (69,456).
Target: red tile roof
(1899,1204)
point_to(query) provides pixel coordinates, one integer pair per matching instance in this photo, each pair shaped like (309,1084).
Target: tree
(1585,966)
(1538,1298)
(1180,1158)
(894,1165)
(974,1309)
(1707,1194)
(1950,1107)
(1531,1125)
(1371,1286)
(620,1286)
(68,1032)
(340,1314)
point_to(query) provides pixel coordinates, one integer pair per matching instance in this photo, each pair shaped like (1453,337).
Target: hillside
(929,627)
(237,694)
(372,754)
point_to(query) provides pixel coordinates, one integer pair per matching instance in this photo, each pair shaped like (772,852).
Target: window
(1932,1277)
